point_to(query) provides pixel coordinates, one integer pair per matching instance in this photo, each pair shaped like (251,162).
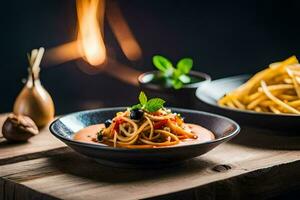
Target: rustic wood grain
(259,184)
(37,146)
(255,164)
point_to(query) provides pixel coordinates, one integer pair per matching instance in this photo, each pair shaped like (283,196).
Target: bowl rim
(199,95)
(206,77)
(230,134)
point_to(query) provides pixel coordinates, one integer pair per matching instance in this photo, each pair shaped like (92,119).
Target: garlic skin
(34,101)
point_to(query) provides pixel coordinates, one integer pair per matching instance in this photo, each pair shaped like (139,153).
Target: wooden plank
(17,191)
(36,147)
(260,184)
(258,165)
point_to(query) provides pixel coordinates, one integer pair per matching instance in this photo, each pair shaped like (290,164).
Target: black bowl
(184,97)
(64,127)
(210,93)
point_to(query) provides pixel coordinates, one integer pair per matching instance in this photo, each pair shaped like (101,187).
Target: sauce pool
(89,134)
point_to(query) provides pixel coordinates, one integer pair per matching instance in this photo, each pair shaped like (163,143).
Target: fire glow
(90,46)
(91,43)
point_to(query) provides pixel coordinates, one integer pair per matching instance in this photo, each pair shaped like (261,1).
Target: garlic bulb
(34,101)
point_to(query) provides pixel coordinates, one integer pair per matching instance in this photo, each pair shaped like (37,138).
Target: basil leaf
(168,73)
(162,64)
(177,73)
(177,84)
(185,65)
(137,106)
(154,104)
(184,78)
(143,98)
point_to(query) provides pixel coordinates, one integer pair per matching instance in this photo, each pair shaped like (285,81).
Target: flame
(91,41)
(122,32)
(62,53)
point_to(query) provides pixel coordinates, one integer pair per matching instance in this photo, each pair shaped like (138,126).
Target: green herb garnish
(150,105)
(177,76)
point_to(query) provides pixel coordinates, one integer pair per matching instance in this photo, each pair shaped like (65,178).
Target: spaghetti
(151,129)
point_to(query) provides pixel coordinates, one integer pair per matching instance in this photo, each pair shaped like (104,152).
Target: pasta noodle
(158,129)
(275,89)
(147,124)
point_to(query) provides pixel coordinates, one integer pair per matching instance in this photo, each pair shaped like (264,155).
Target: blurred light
(91,41)
(121,30)
(90,44)
(62,53)
(122,72)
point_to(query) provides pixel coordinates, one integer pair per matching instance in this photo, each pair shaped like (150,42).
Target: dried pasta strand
(276,100)
(295,82)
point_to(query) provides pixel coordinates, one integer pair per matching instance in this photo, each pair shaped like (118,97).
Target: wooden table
(254,164)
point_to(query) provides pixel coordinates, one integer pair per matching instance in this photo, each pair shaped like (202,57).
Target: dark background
(223,37)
